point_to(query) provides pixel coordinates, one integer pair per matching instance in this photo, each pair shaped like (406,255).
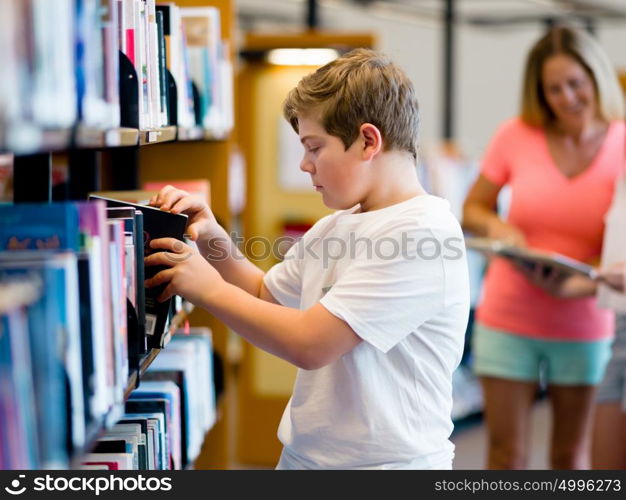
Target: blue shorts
(613,386)
(501,354)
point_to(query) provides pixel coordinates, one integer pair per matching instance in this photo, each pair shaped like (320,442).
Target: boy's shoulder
(422,212)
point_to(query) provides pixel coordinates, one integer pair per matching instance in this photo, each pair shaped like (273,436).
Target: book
(153,389)
(530,258)
(156,429)
(45,336)
(17,402)
(63,284)
(162,68)
(157,224)
(115,461)
(187,362)
(141,402)
(143,435)
(133,255)
(202,29)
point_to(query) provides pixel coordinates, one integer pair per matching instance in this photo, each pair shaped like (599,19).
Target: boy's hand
(188,273)
(202,223)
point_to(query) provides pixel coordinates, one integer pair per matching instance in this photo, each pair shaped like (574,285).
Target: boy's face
(339,174)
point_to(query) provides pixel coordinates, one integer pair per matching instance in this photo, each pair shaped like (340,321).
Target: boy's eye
(312,149)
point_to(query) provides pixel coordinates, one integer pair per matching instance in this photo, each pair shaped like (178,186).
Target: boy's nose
(306,166)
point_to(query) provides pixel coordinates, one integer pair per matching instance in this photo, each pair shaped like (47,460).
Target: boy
(371,304)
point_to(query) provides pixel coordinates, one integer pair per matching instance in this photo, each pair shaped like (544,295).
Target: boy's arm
(213,242)
(223,254)
(309,339)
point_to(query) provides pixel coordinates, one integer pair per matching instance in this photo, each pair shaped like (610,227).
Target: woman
(561,159)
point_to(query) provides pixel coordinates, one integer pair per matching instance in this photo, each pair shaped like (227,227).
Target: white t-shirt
(398,276)
(614,247)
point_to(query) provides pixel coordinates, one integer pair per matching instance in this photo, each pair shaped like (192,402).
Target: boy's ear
(372,140)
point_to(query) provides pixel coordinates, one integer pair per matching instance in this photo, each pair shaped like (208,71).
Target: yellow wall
(266,381)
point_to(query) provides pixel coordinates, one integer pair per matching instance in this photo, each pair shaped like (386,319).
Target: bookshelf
(94,138)
(165,134)
(110,157)
(208,158)
(133,380)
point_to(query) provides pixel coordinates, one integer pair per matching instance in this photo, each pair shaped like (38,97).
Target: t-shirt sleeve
(495,165)
(284,280)
(387,293)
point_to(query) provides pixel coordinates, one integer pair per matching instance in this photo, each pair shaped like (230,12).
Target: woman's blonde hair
(585,50)
(360,87)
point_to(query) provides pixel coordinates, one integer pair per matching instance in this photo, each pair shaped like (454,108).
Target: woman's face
(569,91)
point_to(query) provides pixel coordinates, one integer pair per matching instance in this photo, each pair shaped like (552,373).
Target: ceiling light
(301,57)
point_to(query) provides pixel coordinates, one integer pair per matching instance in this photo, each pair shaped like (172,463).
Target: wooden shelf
(29,140)
(97,428)
(96,138)
(176,323)
(308,39)
(190,134)
(210,136)
(156,136)
(199,134)
(51,141)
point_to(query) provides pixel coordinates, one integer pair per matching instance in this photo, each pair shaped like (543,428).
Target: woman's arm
(480,216)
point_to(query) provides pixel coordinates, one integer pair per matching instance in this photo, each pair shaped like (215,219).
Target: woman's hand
(614,276)
(188,273)
(557,283)
(202,223)
(501,230)
(544,277)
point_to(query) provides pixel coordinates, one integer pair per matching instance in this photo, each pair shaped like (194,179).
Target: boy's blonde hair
(588,53)
(360,87)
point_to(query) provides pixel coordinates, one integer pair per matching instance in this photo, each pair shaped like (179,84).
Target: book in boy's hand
(530,258)
(156,224)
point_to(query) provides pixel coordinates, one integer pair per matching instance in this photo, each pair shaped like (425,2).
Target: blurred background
(465,58)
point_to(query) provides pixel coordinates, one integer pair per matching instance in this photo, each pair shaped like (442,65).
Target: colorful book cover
(170,391)
(45,331)
(155,423)
(143,434)
(16,393)
(115,461)
(39,226)
(158,410)
(92,222)
(157,224)
(64,286)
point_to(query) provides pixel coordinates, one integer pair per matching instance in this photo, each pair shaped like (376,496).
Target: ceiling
(483,13)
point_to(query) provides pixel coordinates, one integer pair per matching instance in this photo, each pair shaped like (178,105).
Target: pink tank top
(555,213)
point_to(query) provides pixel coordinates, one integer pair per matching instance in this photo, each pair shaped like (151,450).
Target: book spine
(141,64)
(111,30)
(153,65)
(162,68)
